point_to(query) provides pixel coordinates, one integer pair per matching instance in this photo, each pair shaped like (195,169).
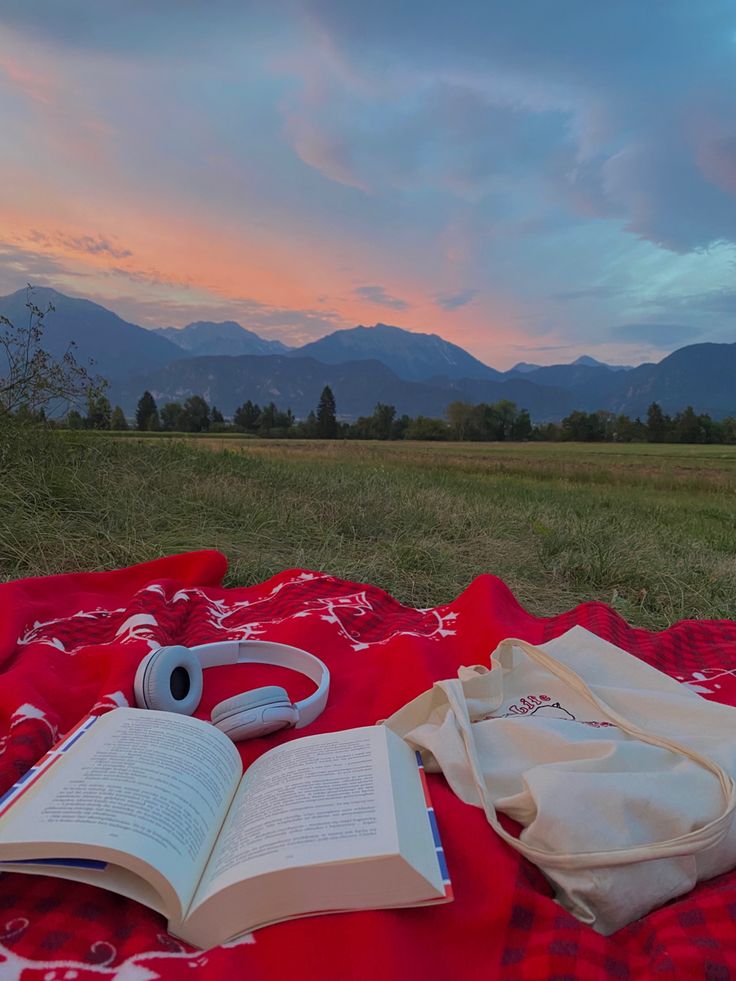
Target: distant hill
(595,363)
(118,348)
(296,383)
(206,337)
(591,385)
(524,368)
(701,375)
(410,355)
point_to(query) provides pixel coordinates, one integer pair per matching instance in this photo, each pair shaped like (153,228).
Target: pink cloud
(716,157)
(33,85)
(327,153)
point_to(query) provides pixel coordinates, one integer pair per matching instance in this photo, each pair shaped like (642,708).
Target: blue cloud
(377,294)
(129,26)
(588,292)
(453,301)
(663,164)
(664,336)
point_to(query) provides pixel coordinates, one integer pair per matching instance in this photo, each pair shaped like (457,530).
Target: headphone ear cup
(255,713)
(170,680)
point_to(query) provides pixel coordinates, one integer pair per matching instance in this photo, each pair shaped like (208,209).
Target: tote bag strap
(686,844)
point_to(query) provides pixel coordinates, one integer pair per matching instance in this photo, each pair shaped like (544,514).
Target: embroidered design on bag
(553,711)
(543,707)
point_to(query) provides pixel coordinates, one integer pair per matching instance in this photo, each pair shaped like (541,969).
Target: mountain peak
(412,355)
(208,337)
(589,362)
(392,329)
(45,294)
(115,346)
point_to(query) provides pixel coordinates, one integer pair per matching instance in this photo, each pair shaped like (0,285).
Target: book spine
(21,786)
(435,830)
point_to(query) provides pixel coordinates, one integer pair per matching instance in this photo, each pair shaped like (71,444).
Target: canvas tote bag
(619,775)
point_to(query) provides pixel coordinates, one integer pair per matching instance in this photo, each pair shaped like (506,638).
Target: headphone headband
(280,655)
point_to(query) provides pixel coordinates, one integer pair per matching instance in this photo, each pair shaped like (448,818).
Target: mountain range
(418,373)
(524,368)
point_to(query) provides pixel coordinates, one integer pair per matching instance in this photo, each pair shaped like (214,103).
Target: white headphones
(170,679)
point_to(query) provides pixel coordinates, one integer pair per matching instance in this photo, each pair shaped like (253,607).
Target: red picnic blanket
(70,644)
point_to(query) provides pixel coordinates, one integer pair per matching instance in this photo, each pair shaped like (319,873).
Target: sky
(532,181)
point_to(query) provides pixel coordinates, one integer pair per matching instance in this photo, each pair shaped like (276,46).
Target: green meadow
(650,529)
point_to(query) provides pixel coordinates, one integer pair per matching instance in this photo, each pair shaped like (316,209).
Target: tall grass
(654,533)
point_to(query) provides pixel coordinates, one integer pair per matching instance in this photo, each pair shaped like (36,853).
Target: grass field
(650,529)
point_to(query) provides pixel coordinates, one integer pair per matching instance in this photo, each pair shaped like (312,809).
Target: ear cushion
(170,680)
(254,713)
(269,696)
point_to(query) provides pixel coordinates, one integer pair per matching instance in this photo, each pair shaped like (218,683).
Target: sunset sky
(531,180)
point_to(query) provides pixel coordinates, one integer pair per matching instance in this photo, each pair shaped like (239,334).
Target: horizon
(487,174)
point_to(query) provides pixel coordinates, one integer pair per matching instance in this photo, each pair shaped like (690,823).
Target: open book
(156,806)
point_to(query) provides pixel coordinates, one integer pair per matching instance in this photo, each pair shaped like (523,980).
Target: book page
(319,799)
(150,784)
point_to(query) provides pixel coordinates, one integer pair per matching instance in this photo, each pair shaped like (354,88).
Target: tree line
(687,426)
(480,422)
(194,415)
